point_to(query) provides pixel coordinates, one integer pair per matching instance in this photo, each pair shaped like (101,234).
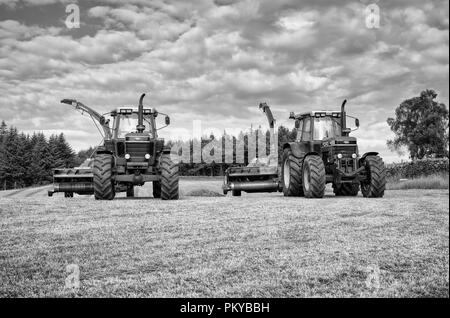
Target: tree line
(27,160)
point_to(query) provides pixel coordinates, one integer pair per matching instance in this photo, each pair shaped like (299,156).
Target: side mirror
(356,122)
(297,124)
(167,119)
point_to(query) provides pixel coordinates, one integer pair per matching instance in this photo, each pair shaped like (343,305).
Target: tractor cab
(126,120)
(318,125)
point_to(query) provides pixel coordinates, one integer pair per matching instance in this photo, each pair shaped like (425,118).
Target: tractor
(131,155)
(325,153)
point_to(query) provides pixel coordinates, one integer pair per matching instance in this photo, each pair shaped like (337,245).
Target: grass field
(258,245)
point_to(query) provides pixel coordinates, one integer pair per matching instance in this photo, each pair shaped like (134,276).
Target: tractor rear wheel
(346,189)
(375,183)
(236,193)
(103,182)
(313,177)
(291,173)
(169,178)
(157,189)
(130,191)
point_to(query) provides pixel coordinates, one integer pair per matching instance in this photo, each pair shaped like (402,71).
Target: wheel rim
(306,179)
(286,173)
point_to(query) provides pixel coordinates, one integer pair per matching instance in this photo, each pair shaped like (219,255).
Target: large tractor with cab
(131,155)
(325,153)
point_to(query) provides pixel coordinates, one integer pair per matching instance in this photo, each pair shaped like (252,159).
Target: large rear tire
(375,184)
(156,189)
(169,178)
(291,175)
(103,182)
(346,189)
(314,179)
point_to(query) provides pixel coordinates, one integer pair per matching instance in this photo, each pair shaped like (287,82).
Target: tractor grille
(345,150)
(347,165)
(138,150)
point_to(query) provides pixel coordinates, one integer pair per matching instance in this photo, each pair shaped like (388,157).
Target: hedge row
(417,168)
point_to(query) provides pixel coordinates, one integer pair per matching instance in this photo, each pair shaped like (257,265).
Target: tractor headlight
(127,156)
(147,156)
(354,156)
(339,156)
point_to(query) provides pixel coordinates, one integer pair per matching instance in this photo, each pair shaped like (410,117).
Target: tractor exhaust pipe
(344,119)
(140,126)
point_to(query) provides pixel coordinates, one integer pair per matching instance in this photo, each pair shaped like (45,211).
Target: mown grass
(427,182)
(259,245)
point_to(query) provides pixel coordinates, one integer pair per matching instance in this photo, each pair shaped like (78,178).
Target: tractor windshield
(326,127)
(127,124)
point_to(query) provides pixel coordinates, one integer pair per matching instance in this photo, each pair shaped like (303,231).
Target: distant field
(257,245)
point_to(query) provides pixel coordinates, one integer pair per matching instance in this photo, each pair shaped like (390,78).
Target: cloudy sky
(215,60)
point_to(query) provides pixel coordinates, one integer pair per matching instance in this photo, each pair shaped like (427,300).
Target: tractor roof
(127,110)
(317,113)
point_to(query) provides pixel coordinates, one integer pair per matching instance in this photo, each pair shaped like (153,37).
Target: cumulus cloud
(216,60)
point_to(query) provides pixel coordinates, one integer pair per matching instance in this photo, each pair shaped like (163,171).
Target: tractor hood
(339,141)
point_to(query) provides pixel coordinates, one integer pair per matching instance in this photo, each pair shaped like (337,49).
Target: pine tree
(42,161)
(57,157)
(66,152)
(10,159)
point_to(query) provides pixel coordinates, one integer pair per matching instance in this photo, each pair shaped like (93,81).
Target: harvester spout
(140,126)
(266,109)
(94,114)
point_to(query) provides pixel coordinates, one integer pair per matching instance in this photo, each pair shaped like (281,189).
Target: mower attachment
(73,180)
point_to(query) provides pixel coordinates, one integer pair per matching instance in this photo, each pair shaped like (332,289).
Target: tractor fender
(299,150)
(103,150)
(370,153)
(166,150)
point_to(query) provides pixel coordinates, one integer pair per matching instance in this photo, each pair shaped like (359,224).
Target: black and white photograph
(224,154)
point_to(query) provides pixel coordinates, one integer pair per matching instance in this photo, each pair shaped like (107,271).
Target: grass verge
(428,182)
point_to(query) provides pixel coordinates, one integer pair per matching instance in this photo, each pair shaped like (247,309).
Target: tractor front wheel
(346,189)
(313,177)
(291,174)
(103,182)
(169,178)
(375,183)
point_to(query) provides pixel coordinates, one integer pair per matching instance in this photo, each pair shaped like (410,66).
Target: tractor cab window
(299,130)
(326,127)
(306,131)
(127,124)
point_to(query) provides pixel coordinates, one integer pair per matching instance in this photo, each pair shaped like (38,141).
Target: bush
(417,169)
(428,182)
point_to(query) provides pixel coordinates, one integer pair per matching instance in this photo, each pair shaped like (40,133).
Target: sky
(216,60)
